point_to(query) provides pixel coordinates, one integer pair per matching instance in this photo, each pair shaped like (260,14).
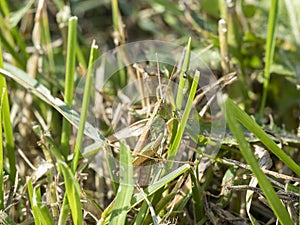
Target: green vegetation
(81,147)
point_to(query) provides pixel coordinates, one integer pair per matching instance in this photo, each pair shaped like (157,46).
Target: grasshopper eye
(184,74)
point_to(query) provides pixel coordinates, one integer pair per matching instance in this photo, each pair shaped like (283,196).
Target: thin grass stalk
(46,38)
(175,145)
(270,194)
(69,82)
(8,43)
(2,93)
(223,46)
(14,31)
(197,196)
(85,104)
(270,49)
(119,39)
(182,78)
(8,131)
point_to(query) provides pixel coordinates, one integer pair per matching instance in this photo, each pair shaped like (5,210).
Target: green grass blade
(252,126)
(72,192)
(182,79)
(44,93)
(32,203)
(126,188)
(197,196)
(175,145)
(2,93)
(138,198)
(85,104)
(270,48)
(69,82)
(8,131)
(269,192)
(119,39)
(40,212)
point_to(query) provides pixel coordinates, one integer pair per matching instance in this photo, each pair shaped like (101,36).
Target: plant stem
(270,48)
(69,82)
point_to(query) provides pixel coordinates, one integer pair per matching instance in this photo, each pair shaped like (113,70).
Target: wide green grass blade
(8,131)
(252,126)
(270,49)
(40,212)
(269,192)
(85,104)
(182,79)
(69,82)
(126,188)
(72,192)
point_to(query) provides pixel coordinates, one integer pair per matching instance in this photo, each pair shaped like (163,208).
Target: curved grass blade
(252,126)
(232,117)
(126,187)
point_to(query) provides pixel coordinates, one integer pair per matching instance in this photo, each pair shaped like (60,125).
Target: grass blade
(85,104)
(126,188)
(69,82)
(175,145)
(40,212)
(44,93)
(252,126)
(270,48)
(8,131)
(138,198)
(2,93)
(72,193)
(269,192)
(182,79)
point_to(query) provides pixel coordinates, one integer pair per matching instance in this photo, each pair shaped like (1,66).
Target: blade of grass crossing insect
(252,126)
(270,48)
(126,188)
(69,82)
(175,145)
(72,193)
(8,131)
(85,104)
(275,203)
(137,198)
(182,79)
(41,214)
(34,209)
(150,190)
